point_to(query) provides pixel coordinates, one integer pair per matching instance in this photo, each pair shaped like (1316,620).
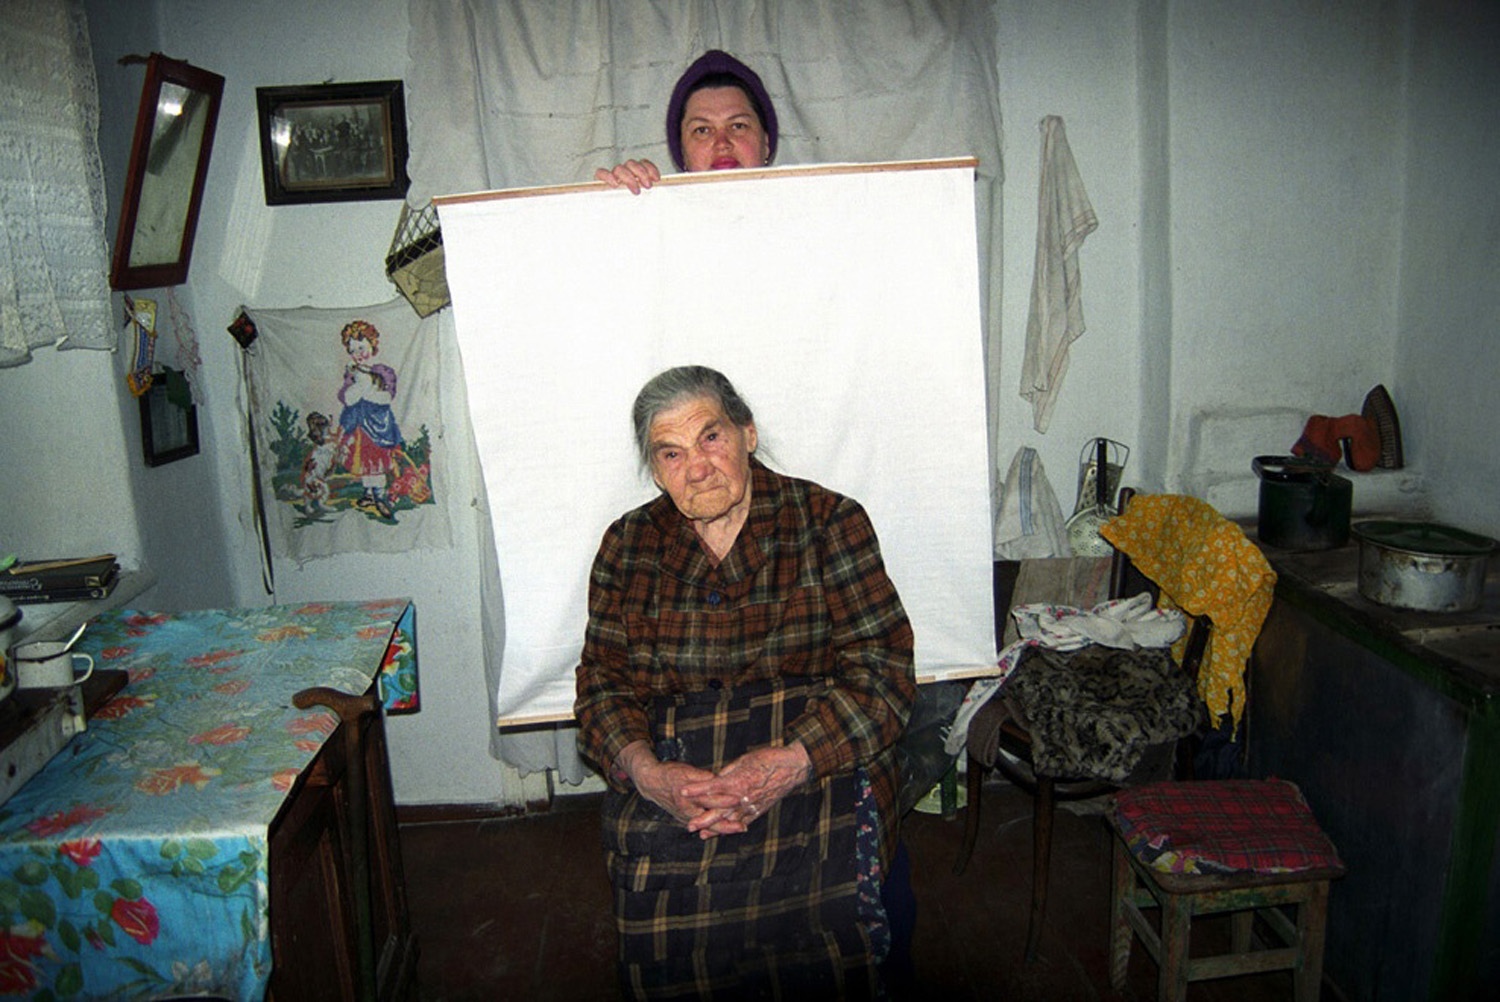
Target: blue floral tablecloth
(134,865)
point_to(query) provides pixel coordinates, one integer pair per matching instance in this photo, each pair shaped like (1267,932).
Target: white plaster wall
(1076,59)
(65,461)
(1245,162)
(1286,156)
(70,453)
(1255,262)
(324,255)
(1448,352)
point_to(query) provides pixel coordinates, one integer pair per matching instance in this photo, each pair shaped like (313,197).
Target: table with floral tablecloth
(135,864)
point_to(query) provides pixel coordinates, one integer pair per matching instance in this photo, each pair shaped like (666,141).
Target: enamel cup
(48,664)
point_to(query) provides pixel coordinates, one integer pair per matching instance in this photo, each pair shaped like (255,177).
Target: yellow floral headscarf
(1204,565)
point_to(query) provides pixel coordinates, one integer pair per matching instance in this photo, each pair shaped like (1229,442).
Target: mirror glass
(168,164)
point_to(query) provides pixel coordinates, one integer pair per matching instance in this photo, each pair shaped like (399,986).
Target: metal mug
(48,664)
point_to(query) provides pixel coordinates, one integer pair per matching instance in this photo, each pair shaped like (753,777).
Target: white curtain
(517,93)
(53,259)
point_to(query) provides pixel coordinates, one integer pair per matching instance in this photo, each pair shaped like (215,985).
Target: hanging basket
(415,261)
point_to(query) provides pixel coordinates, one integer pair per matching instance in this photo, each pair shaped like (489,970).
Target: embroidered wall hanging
(346,412)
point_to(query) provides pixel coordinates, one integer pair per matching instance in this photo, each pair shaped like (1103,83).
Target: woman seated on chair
(746,672)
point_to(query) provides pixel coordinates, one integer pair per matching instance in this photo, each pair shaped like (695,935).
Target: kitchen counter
(1389,721)
(1460,650)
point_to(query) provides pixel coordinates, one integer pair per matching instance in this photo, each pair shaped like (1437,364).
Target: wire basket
(415,262)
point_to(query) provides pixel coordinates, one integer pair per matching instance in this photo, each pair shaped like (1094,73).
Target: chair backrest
(1124,580)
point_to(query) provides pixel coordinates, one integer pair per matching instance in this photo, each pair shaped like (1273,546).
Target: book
(51,575)
(74,594)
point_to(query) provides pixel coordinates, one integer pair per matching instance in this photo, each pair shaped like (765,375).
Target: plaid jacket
(803,592)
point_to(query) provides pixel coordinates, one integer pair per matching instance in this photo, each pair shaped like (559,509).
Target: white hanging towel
(1029,522)
(1064,218)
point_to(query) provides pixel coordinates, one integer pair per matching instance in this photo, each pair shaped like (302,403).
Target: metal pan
(1422,565)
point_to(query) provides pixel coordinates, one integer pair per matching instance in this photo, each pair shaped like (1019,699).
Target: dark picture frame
(174,136)
(342,142)
(169,420)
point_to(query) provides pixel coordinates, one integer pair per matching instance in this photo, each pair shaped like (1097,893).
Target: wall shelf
(58,620)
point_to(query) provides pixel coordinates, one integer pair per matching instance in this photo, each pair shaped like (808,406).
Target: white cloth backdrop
(518,93)
(845,308)
(511,93)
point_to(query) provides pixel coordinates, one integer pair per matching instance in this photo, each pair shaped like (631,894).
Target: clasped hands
(725,803)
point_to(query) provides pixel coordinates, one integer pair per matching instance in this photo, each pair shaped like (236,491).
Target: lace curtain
(53,255)
(509,93)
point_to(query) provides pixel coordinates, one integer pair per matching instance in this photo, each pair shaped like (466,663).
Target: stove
(36,724)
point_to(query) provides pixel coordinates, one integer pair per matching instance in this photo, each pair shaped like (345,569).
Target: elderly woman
(719,118)
(746,672)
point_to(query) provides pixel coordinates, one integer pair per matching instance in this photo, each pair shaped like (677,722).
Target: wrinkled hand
(636,175)
(746,789)
(662,783)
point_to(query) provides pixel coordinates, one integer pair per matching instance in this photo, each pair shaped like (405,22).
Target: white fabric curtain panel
(522,93)
(518,93)
(53,253)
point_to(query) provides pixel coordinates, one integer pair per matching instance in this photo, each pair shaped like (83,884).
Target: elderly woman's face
(720,131)
(702,459)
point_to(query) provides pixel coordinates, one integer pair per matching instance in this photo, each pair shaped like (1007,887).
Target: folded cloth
(1223,826)
(1204,566)
(1126,624)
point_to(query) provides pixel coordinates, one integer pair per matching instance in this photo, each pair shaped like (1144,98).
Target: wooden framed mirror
(174,135)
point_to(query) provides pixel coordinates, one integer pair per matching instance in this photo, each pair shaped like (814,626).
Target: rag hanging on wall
(1064,218)
(242,329)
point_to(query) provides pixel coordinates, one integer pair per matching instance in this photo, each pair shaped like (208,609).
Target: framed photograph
(333,142)
(169,420)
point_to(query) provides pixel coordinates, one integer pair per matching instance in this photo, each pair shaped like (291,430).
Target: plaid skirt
(788,910)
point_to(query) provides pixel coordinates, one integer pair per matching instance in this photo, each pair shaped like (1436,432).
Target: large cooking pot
(1304,505)
(1422,565)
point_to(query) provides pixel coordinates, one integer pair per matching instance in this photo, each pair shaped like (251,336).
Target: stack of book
(73,580)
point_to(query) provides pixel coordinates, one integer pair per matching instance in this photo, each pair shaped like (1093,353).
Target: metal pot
(1304,505)
(1422,565)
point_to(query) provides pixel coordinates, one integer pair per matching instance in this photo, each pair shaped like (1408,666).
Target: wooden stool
(1245,827)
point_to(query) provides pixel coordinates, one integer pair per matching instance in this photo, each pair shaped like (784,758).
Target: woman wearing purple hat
(720,118)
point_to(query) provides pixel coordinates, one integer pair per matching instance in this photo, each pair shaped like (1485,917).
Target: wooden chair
(1257,850)
(1001,737)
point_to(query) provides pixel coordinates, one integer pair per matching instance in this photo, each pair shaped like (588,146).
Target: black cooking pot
(1304,505)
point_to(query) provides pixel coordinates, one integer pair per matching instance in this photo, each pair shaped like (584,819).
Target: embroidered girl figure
(369,437)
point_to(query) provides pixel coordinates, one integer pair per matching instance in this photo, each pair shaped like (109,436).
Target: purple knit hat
(711,62)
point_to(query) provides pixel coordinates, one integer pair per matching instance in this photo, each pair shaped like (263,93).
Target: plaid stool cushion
(1224,826)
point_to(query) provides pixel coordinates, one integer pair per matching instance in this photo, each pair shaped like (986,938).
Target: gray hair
(674,386)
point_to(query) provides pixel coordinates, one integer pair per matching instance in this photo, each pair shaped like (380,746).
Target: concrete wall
(1295,203)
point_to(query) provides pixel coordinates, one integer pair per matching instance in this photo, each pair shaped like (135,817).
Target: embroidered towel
(347,417)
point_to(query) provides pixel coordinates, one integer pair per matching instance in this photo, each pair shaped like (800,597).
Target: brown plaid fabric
(772,913)
(802,594)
